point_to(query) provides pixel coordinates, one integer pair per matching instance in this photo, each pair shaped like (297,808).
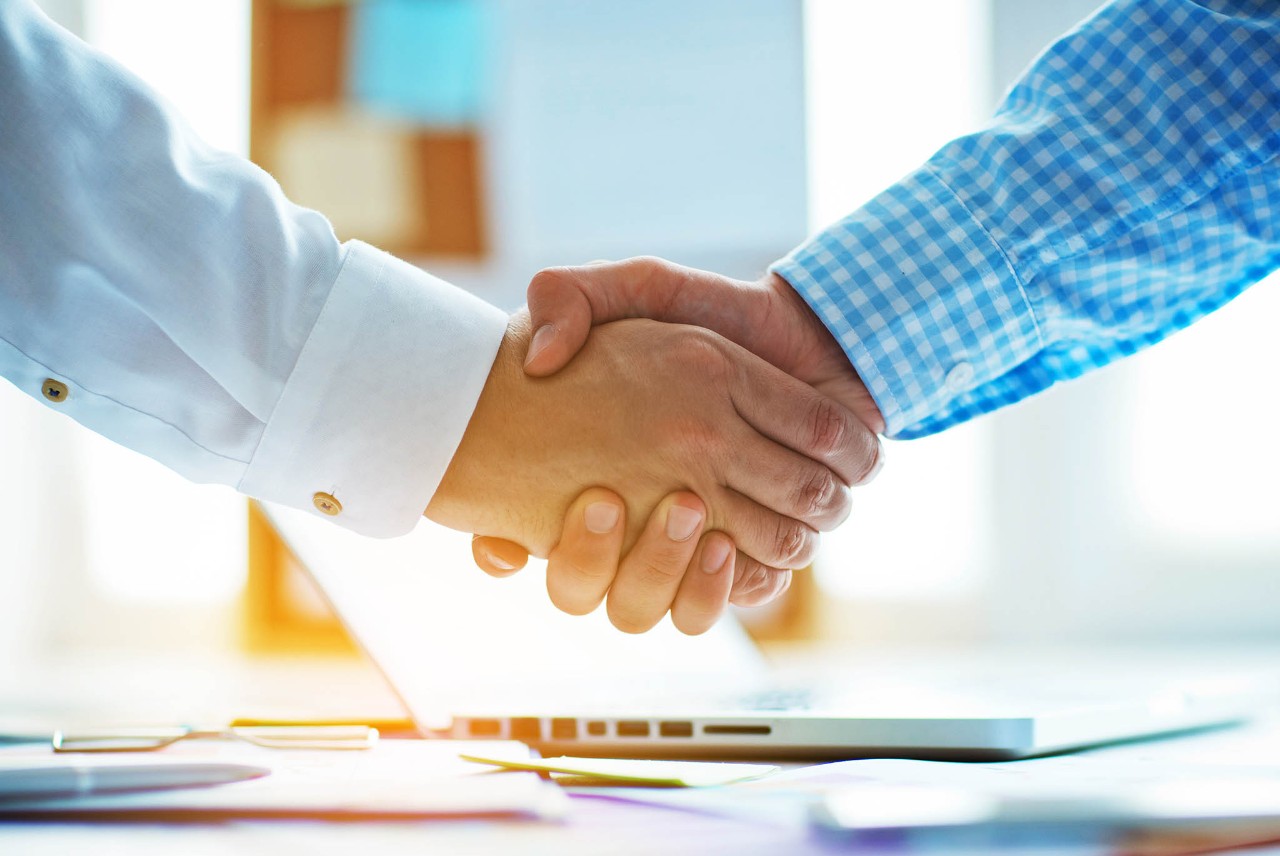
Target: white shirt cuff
(380,397)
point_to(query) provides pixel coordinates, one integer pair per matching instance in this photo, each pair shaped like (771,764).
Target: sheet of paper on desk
(1170,818)
(786,798)
(585,772)
(398,778)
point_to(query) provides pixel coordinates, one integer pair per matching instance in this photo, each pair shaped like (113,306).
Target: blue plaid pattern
(1128,185)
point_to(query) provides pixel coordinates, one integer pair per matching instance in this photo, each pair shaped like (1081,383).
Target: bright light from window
(151,535)
(883,94)
(1203,447)
(194,52)
(887,84)
(921,529)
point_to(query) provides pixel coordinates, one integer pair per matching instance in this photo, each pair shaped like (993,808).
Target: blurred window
(883,93)
(149,534)
(1202,428)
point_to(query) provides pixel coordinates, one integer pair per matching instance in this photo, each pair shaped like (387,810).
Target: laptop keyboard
(791,699)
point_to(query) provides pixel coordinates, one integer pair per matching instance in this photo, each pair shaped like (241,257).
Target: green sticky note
(626,771)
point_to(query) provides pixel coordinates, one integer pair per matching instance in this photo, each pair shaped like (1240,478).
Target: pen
(19,783)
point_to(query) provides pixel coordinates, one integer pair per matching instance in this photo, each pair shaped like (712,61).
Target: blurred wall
(39,536)
(1079,557)
(665,128)
(613,129)
(677,129)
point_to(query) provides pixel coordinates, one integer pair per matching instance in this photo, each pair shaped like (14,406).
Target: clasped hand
(738,425)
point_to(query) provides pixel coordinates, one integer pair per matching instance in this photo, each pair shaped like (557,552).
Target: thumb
(564,303)
(560,314)
(498,557)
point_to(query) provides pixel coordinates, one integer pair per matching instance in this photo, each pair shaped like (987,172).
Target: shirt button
(327,504)
(55,391)
(960,376)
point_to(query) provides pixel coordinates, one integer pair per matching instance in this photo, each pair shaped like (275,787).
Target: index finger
(564,303)
(498,557)
(795,414)
(755,584)
(582,565)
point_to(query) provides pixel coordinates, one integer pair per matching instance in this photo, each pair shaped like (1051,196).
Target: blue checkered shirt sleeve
(1128,185)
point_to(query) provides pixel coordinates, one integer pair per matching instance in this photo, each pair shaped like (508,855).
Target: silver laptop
(476,657)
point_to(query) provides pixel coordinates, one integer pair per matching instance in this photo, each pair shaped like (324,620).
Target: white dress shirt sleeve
(169,297)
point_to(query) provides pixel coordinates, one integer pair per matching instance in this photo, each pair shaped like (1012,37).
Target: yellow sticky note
(625,771)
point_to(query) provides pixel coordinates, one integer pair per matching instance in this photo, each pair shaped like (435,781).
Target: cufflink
(326,504)
(55,391)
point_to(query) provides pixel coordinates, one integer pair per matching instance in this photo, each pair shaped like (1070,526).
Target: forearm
(199,317)
(1127,186)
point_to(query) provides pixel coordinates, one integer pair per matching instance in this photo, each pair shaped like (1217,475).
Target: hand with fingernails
(675,564)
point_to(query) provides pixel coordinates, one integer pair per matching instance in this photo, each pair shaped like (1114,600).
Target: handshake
(682,455)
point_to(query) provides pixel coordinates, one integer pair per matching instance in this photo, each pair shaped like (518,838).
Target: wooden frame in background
(298,88)
(283,612)
(298,76)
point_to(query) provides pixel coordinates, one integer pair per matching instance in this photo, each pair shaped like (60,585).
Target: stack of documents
(397,778)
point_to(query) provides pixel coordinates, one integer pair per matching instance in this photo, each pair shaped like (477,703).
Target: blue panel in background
(420,60)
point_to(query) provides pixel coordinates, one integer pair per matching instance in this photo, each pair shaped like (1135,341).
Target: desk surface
(597,824)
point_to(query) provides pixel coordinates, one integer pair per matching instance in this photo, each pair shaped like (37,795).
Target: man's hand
(645,410)
(589,556)
(766,317)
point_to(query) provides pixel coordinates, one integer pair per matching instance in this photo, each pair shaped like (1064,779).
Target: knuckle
(546,281)
(828,427)
(778,586)
(572,588)
(810,542)
(867,457)
(698,351)
(759,585)
(817,495)
(648,268)
(573,568)
(577,572)
(790,541)
(647,262)
(750,579)
(841,508)
(661,571)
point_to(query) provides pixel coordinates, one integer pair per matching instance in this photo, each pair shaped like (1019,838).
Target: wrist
(814,354)
(466,497)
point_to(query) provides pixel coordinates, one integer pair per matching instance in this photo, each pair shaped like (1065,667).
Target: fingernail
(601,517)
(681,522)
(541,338)
(500,564)
(715,555)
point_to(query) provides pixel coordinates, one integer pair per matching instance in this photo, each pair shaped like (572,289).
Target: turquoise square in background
(420,60)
